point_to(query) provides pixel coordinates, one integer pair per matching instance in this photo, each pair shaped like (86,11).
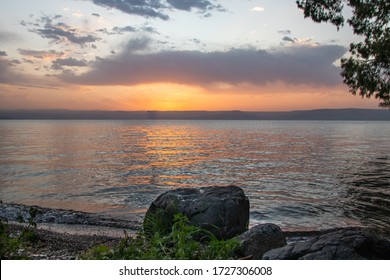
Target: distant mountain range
(320,114)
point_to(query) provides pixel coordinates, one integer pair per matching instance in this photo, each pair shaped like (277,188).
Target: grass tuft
(180,243)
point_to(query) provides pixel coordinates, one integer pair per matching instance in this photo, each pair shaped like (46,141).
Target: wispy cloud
(60,32)
(47,55)
(288,39)
(159,8)
(285,32)
(127,29)
(145,8)
(124,29)
(201,5)
(6,37)
(8,74)
(258,9)
(299,41)
(59,64)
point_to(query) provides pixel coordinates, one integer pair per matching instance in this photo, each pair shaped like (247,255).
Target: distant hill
(320,114)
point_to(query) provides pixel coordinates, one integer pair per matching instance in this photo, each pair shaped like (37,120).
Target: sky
(250,55)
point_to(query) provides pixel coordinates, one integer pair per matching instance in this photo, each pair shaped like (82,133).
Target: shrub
(181,242)
(12,244)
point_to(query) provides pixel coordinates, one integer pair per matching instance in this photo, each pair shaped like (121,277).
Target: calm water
(299,175)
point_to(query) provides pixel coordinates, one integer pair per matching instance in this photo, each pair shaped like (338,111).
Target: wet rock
(13,212)
(223,211)
(260,239)
(341,244)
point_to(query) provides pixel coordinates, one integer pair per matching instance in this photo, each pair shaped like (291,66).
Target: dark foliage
(367,69)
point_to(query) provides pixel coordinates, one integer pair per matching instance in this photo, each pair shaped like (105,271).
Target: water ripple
(300,175)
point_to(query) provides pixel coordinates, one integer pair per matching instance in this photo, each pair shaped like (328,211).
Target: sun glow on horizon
(180,97)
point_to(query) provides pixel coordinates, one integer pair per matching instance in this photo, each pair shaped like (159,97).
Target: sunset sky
(252,55)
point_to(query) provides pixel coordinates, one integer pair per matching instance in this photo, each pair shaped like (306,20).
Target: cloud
(195,40)
(188,5)
(59,63)
(4,72)
(61,32)
(291,65)
(258,9)
(285,32)
(157,8)
(95,14)
(145,8)
(50,54)
(288,39)
(8,74)
(11,74)
(124,29)
(137,44)
(117,30)
(3,53)
(149,29)
(6,37)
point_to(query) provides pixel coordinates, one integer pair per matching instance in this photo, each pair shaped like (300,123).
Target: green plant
(181,242)
(8,244)
(12,243)
(28,233)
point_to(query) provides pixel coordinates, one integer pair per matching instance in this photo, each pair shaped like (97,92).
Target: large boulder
(260,239)
(223,211)
(341,244)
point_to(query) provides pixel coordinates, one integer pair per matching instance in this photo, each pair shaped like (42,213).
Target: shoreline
(66,234)
(55,245)
(51,245)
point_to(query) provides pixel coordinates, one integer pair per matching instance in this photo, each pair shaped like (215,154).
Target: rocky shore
(52,245)
(223,211)
(347,243)
(64,234)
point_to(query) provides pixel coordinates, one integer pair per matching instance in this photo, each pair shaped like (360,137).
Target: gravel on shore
(51,245)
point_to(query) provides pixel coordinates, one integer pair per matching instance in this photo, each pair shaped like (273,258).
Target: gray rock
(260,239)
(223,211)
(11,212)
(340,244)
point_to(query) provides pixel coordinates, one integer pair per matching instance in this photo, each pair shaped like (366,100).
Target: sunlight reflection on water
(299,175)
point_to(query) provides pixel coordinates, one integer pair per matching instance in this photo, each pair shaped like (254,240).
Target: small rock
(260,239)
(341,244)
(223,211)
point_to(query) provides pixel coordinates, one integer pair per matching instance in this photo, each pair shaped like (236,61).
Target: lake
(300,175)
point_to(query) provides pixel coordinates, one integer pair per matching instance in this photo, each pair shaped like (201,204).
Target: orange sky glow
(176,97)
(230,55)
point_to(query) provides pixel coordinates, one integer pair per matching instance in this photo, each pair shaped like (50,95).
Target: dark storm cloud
(3,53)
(145,8)
(292,65)
(61,32)
(59,63)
